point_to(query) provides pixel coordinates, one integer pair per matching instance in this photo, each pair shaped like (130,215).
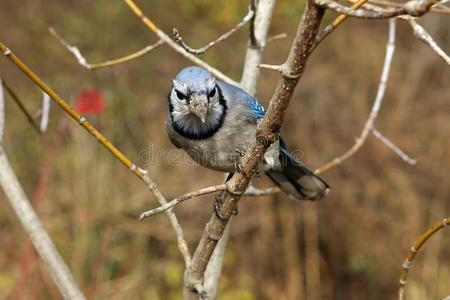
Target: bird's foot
(238,167)
(216,207)
(257,173)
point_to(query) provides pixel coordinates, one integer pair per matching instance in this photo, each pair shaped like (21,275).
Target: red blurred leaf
(90,102)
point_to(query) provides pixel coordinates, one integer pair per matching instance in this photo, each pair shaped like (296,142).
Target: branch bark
(267,133)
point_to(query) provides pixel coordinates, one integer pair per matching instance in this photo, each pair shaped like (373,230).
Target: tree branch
(178,200)
(267,133)
(413,8)
(393,147)
(82,61)
(412,253)
(20,105)
(423,36)
(179,39)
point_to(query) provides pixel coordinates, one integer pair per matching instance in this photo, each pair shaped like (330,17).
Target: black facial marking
(204,134)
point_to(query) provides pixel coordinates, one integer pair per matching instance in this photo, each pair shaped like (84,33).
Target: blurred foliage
(377,208)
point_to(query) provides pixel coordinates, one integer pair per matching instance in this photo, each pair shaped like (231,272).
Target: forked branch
(177,37)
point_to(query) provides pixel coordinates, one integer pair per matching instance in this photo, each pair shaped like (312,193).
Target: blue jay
(213,121)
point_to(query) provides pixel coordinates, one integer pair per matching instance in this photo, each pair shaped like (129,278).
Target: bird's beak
(199,106)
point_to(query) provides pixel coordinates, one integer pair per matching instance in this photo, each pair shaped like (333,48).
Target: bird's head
(196,104)
(193,93)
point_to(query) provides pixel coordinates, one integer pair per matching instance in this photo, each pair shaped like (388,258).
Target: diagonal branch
(393,147)
(376,105)
(141,174)
(423,36)
(82,61)
(267,133)
(20,105)
(179,39)
(178,200)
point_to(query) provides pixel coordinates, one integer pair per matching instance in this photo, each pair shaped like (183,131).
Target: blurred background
(351,245)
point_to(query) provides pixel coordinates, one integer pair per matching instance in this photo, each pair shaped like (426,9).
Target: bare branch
(412,253)
(20,105)
(414,8)
(276,37)
(178,200)
(393,147)
(179,39)
(165,38)
(321,36)
(422,35)
(252,191)
(437,8)
(281,69)
(376,105)
(82,61)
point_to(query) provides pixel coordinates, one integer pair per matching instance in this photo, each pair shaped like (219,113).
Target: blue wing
(255,107)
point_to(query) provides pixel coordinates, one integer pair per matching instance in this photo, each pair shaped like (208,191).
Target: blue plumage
(215,121)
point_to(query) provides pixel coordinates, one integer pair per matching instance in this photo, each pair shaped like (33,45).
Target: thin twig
(422,35)
(276,37)
(177,37)
(20,105)
(164,37)
(82,61)
(412,253)
(328,29)
(393,147)
(376,105)
(437,8)
(253,191)
(178,200)
(414,8)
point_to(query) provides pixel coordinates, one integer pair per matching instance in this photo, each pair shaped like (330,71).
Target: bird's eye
(212,93)
(180,95)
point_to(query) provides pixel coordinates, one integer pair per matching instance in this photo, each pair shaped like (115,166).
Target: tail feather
(297,180)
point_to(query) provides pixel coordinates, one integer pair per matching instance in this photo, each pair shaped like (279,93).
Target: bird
(214,122)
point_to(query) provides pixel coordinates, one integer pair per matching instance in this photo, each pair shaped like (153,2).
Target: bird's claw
(217,204)
(238,167)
